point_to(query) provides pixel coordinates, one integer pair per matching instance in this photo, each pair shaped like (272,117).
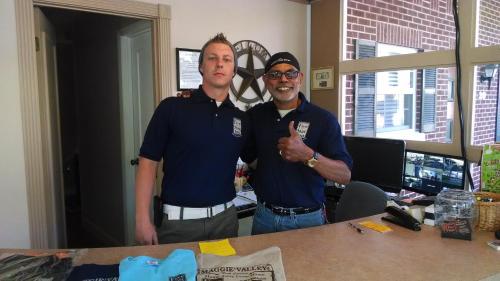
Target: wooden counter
(338,252)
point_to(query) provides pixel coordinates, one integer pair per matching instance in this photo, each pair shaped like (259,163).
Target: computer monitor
(428,173)
(377,161)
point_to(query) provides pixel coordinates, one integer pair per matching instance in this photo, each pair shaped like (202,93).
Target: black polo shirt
(200,144)
(283,183)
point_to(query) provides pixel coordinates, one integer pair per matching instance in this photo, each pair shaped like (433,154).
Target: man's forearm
(145,180)
(334,170)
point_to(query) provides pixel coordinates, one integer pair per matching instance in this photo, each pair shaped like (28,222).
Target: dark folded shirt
(94,272)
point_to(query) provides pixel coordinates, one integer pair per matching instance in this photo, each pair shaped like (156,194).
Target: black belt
(281,211)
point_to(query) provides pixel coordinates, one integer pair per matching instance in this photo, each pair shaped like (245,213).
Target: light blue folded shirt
(180,265)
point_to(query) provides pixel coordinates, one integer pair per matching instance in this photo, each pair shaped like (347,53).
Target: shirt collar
(200,96)
(304,103)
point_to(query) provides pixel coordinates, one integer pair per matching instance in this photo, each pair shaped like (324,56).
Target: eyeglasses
(274,75)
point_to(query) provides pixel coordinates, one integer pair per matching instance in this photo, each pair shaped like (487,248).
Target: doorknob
(134,162)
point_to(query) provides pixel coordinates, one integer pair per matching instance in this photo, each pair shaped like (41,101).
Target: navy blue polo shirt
(200,144)
(292,184)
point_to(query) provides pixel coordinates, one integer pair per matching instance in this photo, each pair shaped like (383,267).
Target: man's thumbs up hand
(291,129)
(292,148)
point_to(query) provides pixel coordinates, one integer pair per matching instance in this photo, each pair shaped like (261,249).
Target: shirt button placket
(215,114)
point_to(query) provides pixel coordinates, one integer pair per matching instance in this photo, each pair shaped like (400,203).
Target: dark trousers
(223,225)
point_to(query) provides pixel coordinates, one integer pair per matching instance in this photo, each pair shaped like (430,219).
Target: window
(449,130)
(451,90)
(497,131)
(406,104)
(395,94)
(399,76)
(485,111)
(390,104)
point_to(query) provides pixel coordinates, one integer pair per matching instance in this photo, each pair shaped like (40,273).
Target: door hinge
(37,44)
(134,162)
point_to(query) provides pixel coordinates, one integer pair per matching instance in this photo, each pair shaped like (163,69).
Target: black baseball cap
(282,57)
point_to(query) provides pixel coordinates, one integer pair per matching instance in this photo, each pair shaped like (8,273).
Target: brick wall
(489,23)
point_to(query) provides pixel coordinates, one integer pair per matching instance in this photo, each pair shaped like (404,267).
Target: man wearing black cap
(297,145)
(199,139)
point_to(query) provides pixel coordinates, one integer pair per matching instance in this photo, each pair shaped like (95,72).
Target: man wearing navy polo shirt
(199,139)
(297,145)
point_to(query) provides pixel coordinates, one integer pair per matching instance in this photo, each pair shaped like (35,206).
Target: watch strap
(314,159)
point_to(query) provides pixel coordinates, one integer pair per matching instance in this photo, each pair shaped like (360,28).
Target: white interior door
(137,106)
(51,136)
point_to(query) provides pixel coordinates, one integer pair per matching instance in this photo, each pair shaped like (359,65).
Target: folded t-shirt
(180,265)
(99,272)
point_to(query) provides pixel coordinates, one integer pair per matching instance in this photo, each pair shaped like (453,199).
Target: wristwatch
(312,162)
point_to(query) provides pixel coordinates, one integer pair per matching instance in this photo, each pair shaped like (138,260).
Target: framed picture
(188,76)
(322,78)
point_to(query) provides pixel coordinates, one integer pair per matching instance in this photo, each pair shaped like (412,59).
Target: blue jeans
(265,221)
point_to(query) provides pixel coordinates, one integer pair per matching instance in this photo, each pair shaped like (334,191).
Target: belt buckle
(282,211)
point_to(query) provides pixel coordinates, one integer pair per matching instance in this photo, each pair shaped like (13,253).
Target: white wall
(279,25)
(14,225)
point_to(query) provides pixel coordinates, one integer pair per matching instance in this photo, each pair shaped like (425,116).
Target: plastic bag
(47,266)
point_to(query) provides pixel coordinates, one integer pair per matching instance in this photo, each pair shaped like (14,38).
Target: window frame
(470,57)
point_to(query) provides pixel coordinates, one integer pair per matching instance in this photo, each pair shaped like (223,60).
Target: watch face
(312,162)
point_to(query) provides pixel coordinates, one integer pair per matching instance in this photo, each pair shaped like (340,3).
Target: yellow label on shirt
(376,226)
(220,248)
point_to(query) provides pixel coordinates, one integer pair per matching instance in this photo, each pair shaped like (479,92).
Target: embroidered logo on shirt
(237,127)
(180,277)
(302,128)
(152,262)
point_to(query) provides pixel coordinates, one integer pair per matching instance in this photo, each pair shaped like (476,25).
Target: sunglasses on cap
(292,74)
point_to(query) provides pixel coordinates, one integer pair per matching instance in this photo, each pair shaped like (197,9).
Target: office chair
(360,199)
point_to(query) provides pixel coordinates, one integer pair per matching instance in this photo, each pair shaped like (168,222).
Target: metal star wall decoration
(249,74)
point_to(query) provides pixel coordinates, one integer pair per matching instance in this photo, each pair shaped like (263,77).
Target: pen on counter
(359,230)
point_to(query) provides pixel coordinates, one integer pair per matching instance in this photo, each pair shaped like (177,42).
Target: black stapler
(402,218)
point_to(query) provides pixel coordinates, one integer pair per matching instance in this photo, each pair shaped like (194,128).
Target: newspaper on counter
(264,265)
